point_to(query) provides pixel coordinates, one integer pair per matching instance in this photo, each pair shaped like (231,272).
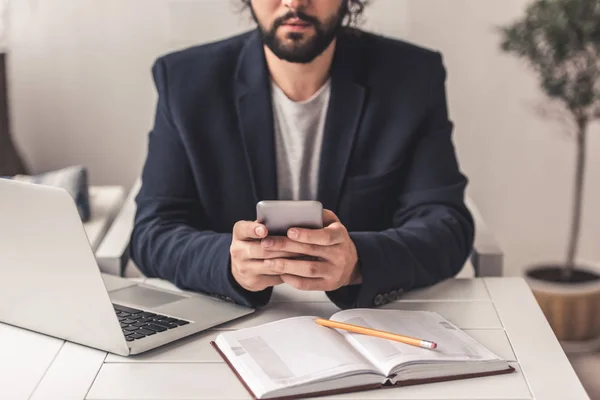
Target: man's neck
(300,81)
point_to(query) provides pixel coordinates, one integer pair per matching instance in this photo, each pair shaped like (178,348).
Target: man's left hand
(333,258)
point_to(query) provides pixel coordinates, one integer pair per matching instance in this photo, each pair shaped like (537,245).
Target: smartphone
(280,215)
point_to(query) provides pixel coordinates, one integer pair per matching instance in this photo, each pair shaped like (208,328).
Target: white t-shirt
(299,128)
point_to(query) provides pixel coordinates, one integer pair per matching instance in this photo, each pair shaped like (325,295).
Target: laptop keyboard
(137,324)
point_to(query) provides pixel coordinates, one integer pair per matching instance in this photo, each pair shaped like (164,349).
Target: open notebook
(295,357)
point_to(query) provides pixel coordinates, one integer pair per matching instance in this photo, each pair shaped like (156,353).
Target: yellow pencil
(376,333)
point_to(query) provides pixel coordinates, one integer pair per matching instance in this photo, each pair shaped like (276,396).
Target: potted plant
(560,41)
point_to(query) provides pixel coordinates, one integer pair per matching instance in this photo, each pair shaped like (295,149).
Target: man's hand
(247,257)
(334,257)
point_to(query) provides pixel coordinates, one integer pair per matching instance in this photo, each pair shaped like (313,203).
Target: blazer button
(385,298)
(378,300)
(393,295)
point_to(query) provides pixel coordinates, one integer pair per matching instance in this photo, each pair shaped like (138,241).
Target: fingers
(257,283)
(297,267)
(256,268)
(249,275)
(282,243)
(254,251)
(329,236)
(248,230)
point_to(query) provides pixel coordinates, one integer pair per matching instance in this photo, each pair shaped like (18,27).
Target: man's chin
(295,38)
(294,44)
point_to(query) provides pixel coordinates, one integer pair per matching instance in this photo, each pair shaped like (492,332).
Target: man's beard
(297,51)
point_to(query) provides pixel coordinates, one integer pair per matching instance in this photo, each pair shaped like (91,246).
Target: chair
(486,259)
(105,204)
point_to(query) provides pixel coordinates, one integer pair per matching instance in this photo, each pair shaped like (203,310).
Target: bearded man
(304,107)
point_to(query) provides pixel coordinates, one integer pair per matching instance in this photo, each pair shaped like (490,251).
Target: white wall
(521,166)
(81,90)
(81,93)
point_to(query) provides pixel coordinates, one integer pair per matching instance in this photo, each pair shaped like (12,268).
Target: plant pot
(571,307)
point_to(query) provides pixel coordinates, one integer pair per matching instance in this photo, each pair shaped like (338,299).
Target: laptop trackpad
(144,297)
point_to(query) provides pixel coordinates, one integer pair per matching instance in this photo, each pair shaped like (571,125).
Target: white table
(501,313)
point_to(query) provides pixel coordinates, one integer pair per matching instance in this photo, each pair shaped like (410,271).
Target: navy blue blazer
(388,167)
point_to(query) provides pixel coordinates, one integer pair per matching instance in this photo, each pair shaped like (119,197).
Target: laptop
(50,282)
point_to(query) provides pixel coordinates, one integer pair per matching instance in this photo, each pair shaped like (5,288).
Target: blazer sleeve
(169,239)
(433,231)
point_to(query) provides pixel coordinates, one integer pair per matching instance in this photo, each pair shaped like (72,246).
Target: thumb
(329,217)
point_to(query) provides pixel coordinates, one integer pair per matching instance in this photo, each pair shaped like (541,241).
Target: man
(302,108)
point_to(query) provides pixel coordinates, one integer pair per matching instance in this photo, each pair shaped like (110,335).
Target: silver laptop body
(50,282)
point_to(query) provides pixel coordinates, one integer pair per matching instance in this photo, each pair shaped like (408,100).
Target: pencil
(376,333)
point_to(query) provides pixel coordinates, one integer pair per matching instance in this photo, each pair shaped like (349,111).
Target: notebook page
(290,352)
(453,344)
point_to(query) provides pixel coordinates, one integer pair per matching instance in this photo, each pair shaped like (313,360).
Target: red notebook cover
(361,388)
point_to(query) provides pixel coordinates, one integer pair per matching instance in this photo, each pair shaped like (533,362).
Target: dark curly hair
(354,9)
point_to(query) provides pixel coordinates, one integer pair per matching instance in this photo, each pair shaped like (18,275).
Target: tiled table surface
(501,313)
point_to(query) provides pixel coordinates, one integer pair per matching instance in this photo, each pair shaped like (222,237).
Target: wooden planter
(571,308)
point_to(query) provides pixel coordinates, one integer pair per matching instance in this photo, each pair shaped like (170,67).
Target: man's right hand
(247,257)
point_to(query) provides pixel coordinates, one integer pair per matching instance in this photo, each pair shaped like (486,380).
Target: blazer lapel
(342,121)
(253,100)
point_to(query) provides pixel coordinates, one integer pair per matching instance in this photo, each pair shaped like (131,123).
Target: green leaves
(560,41)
